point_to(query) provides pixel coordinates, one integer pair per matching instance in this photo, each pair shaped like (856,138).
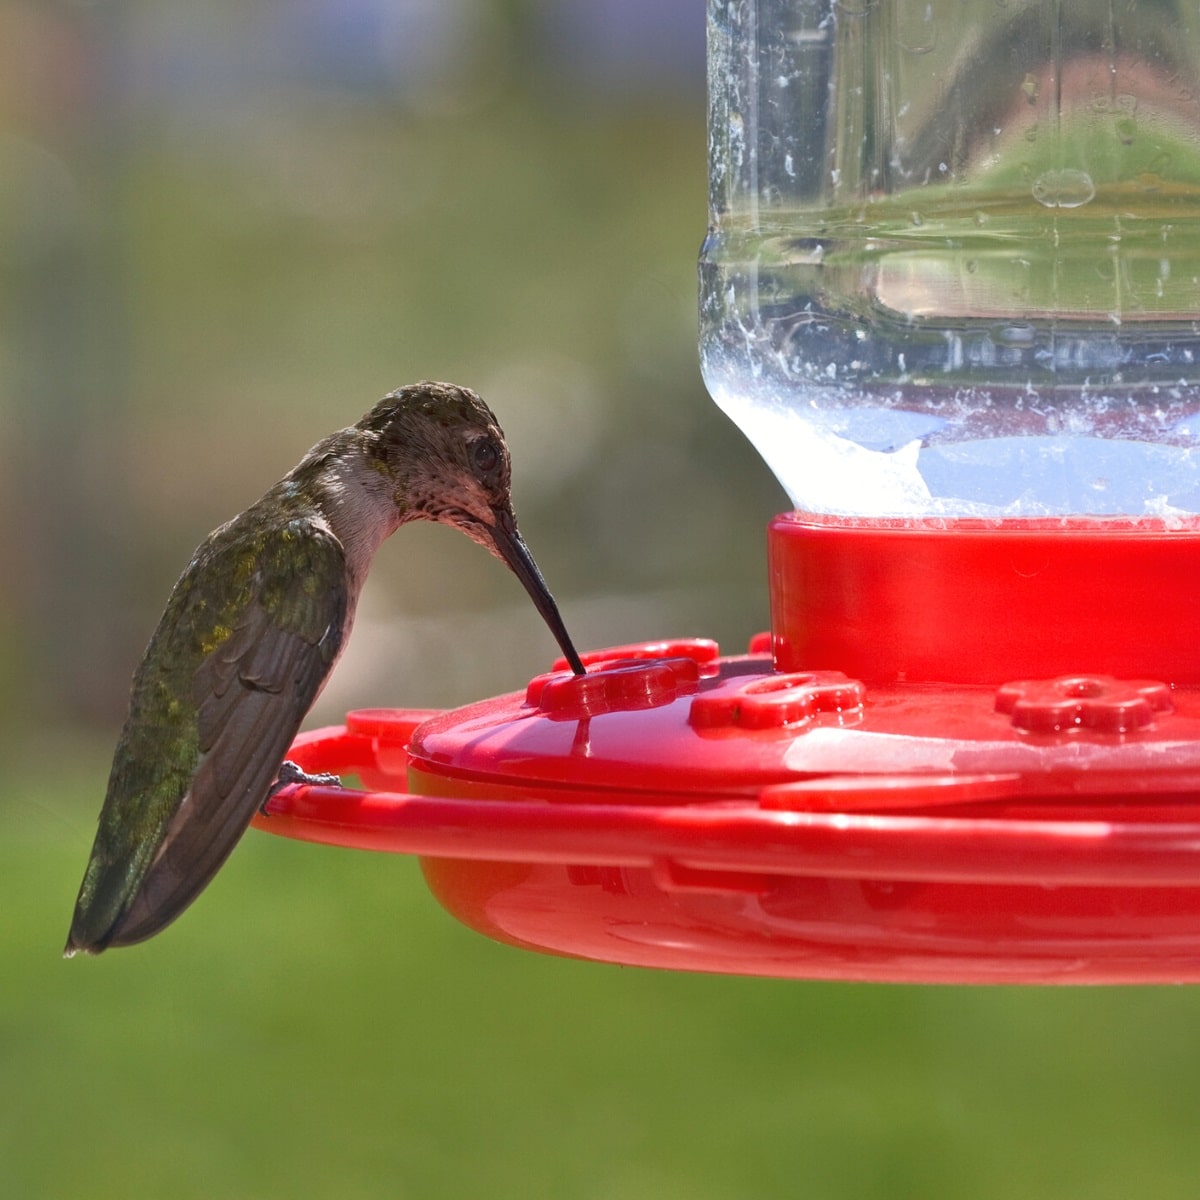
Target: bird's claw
(290,773)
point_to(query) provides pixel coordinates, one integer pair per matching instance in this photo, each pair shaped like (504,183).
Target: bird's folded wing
(251,694)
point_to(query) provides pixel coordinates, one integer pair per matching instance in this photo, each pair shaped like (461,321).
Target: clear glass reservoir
(953,263)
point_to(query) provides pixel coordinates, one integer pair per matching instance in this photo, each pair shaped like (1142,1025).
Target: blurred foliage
(227,269)
(206,263)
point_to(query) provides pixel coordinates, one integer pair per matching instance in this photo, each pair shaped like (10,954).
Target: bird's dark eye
(486,456)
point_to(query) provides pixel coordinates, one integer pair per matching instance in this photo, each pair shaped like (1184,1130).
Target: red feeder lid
(674,808)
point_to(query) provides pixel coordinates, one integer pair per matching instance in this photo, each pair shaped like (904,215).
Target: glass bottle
(953,263)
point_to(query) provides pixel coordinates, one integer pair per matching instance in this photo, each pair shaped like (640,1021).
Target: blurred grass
(316,1026)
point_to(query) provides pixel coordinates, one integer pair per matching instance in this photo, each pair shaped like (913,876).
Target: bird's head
(446,460)
(445,457)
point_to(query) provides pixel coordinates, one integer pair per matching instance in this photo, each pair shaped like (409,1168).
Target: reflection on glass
(953,265)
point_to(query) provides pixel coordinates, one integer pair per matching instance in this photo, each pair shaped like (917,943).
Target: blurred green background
(226,230)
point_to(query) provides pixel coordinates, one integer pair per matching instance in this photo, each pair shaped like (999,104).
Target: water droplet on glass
(917,32)
(1067,188)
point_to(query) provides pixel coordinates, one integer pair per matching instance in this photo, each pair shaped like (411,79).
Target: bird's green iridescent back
(256,619)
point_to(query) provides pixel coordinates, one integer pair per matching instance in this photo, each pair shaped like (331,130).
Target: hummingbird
(251,631)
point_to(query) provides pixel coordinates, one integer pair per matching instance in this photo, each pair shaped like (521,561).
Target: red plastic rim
(984,602)
(538,822)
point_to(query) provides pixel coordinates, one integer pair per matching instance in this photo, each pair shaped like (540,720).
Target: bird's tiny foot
(290,773)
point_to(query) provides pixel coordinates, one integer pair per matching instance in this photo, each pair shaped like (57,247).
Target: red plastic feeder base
(906,791)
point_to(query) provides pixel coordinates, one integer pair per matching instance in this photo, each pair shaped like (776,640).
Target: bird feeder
(951,291)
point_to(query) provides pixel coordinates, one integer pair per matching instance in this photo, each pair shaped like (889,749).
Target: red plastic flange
(968,601)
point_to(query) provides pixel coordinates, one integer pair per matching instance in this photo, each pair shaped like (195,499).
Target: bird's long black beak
(512,549)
